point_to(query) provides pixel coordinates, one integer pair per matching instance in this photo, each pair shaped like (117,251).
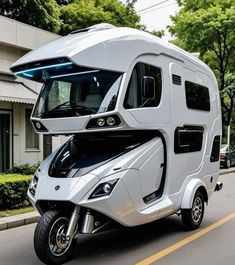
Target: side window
(145,87)
(197,96)
(188,139)
(215,149)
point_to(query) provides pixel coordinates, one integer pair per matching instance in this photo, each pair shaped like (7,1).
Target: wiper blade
(65,110)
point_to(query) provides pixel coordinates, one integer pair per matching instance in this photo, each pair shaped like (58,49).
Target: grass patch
(7,213)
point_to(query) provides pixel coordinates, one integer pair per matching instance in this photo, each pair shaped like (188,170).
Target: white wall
(21,35)
(21,154)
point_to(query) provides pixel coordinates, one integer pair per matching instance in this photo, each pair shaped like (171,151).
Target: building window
(31,138)
(135,97)
(197,96)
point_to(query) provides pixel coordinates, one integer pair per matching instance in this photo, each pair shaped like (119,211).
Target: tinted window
(215,149)
(188,139)
(197,96)
(135,92)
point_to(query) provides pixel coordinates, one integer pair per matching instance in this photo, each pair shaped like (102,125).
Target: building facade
(19,144)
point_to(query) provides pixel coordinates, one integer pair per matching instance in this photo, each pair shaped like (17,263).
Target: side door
(151,110)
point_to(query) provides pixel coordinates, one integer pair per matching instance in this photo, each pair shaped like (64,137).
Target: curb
(18,220)
(228,171)
(33,217)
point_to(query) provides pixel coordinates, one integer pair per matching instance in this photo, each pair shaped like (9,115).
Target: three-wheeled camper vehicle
(145,125)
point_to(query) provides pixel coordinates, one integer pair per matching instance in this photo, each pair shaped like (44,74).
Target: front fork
(87,225)
(73,223)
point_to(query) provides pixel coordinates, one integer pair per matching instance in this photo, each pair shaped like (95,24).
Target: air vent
(176,79)
(97,27)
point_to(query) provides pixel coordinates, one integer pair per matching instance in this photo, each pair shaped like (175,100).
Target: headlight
(104,122)
(33,185)
(104,189)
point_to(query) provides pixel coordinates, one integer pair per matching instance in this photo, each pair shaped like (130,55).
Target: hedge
(24,169)
(13,191)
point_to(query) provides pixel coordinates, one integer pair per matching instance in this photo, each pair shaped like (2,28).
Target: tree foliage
(208,26)
(158,33)
(64,16)
(84,13)
(38,13)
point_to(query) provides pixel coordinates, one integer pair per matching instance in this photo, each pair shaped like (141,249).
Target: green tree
(38,13)
(207,27)
(158,33)
(81,14)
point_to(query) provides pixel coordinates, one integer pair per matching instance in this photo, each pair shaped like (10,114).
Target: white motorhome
(145,122)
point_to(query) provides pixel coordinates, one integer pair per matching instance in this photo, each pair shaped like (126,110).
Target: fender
(190,191)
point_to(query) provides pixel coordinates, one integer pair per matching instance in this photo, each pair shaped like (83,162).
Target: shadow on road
(97,248)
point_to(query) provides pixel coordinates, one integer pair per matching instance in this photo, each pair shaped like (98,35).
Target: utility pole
(228,135)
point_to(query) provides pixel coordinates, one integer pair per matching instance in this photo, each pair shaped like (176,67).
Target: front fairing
(74,188)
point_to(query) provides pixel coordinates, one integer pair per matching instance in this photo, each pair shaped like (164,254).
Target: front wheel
(50,243)
(192,218)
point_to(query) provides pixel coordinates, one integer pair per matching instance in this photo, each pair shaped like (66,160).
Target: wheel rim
(228,163)
(197,209)
(57,237)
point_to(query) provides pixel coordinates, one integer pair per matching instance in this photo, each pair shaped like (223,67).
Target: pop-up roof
(102,46)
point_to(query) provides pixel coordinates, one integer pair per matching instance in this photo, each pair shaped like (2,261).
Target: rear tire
(192,218)
(49,241)
(228,163)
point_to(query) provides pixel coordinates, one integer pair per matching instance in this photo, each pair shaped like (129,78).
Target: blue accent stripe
(43,67)
(28,75)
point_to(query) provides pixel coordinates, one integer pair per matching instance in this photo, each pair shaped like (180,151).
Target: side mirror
(148,87)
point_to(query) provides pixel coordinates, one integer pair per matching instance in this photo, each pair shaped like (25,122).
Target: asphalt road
(163,242)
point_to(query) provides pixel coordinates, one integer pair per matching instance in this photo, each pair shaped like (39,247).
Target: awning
(16,92)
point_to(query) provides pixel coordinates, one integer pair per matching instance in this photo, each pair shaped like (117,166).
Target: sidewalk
(33,217)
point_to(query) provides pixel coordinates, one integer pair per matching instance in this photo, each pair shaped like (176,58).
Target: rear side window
(197,96)
(135,96)
(215,149)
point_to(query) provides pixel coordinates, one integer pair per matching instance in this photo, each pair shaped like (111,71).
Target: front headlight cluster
(33,185)
(104,189)
(104,122)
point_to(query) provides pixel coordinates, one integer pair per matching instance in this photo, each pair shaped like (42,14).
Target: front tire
(50,244)
(192,218)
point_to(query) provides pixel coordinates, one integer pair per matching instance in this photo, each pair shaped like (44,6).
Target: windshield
(78,94)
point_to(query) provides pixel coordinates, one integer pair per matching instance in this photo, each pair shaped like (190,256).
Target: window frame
(183,145)
(32,149)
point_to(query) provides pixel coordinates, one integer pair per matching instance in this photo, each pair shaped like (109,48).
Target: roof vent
(97,27)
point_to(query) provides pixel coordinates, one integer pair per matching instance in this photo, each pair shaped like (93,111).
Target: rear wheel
(50,242)
(228,163)
(192,218)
